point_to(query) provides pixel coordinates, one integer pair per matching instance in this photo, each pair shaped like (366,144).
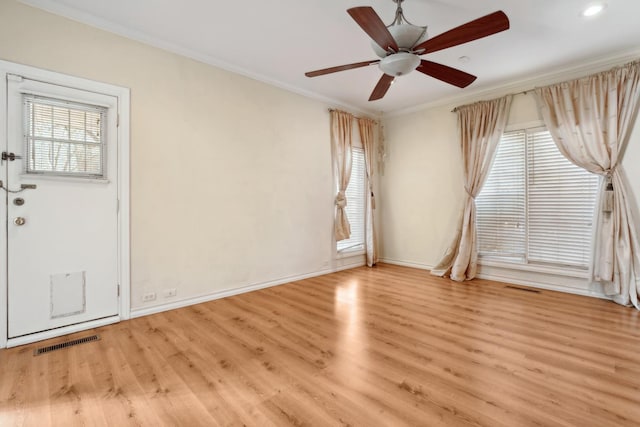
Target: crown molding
(139,36)
(573,71)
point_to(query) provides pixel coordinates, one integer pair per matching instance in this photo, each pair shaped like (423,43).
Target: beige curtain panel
(590,121)
(366,128)
(341,126)
(481,125)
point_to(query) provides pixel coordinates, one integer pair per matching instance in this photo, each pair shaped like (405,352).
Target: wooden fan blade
(476,29)
(446,74)
(371,23)
(382,87)
(340,68)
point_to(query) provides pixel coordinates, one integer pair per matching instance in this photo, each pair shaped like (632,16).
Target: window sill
(556,271)
(66,178)
(350,253)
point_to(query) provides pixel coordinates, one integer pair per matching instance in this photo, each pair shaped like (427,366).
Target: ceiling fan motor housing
(402,62)
(406,37)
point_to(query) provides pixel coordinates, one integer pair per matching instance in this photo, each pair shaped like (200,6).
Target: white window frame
(499,268)
(7,70)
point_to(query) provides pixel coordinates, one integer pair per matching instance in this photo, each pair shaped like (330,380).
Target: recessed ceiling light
(593,9)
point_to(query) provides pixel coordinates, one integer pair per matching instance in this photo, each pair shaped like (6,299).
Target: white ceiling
(277,41)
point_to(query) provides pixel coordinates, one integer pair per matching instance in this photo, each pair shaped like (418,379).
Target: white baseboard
(510,279)
(406,264)
(145,311)
(533,284)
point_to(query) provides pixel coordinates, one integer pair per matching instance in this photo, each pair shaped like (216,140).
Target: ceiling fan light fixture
(399,64)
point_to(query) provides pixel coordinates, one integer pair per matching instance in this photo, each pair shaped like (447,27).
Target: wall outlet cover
(168,293)
(151,296)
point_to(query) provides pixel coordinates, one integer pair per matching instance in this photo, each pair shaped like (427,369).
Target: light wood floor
(388,346)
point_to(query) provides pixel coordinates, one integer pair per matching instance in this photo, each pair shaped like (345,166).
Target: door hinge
(118,120)
(118,289)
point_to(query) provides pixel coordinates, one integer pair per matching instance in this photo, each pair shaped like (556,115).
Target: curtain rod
(354,116)
(523,92)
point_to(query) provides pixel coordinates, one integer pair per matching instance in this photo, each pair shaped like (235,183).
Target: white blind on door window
(501,206)
(355,203)
(536,206)
(64,138)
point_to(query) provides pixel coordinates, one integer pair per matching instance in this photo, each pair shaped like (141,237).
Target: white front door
(60,183)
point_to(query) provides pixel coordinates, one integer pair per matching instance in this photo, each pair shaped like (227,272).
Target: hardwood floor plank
(370,346)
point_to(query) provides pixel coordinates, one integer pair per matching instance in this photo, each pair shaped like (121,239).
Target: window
(536,207)
(355,203)
(64,138)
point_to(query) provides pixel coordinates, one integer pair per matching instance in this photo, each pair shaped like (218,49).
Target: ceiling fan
(400,44)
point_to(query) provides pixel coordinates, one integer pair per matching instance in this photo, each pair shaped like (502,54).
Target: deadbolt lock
(9,156)
(18,201)
(19,221)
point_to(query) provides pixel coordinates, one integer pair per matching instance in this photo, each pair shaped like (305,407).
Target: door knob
(19,221)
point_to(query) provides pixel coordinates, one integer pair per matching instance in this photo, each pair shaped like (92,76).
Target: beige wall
(230,178)
(423,192)
(421,186)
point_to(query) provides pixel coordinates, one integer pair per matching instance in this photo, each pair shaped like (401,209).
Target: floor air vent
(535,291)
(42,350)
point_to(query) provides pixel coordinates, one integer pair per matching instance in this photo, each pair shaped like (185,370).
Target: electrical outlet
(151,296)
(168,293)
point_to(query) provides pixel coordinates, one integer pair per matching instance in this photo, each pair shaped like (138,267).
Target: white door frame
(123,96)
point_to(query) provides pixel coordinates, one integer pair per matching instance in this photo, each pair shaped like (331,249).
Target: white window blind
(536,207)
(355,203)
(501,205)
(562,199)
(64,138)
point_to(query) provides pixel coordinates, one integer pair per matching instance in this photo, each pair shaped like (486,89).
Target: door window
(64,138)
